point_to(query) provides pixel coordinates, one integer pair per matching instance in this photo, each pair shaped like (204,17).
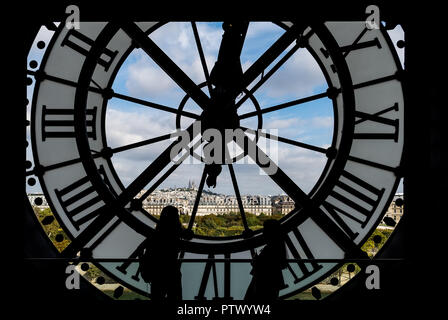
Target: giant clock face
(74,163)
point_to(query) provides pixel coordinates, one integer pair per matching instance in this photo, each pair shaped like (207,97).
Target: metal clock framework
(72,160)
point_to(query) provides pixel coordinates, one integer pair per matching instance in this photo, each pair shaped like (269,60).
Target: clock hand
(227,72)
(226,76)
(269,56)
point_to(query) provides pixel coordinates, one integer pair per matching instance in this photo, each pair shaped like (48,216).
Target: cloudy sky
(300,76)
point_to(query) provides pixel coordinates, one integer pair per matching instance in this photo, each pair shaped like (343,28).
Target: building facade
(396,208)
(212,203)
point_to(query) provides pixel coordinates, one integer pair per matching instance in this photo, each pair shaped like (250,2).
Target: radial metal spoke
(127,195)
(269,56)
(201,56)
(238,196)
(108,93)
(268,75)
(168,172)
(198,198)
(275,173)
(98,154)
(167,65)
(152,170)
(285,105)
(154,105)
(285,140)
(141,143)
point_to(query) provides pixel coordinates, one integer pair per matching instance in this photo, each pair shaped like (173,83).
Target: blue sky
(140,77)
(299,77)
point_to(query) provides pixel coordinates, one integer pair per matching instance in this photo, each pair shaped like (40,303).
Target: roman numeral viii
(295,242)
(355,199)
(82,44)
(59,123)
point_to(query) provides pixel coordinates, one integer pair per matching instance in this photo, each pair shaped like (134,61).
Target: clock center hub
(217,118)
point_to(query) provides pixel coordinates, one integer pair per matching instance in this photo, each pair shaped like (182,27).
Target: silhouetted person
(164,248)
(267,277)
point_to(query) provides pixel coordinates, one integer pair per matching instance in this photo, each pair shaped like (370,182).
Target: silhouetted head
(271,230)
(274,240)
(169,220)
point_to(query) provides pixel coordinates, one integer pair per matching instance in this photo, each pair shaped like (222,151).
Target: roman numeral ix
(59,123)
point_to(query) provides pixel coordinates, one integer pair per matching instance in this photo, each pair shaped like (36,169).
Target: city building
(395,210)
(38,200)
(213,203)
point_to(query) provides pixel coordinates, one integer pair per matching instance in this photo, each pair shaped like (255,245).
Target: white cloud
(322,122)
(210,39)
(293,127)
(124,128)
(302,165)
(257,29)
(299,76)
(146,79)
(282,123)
